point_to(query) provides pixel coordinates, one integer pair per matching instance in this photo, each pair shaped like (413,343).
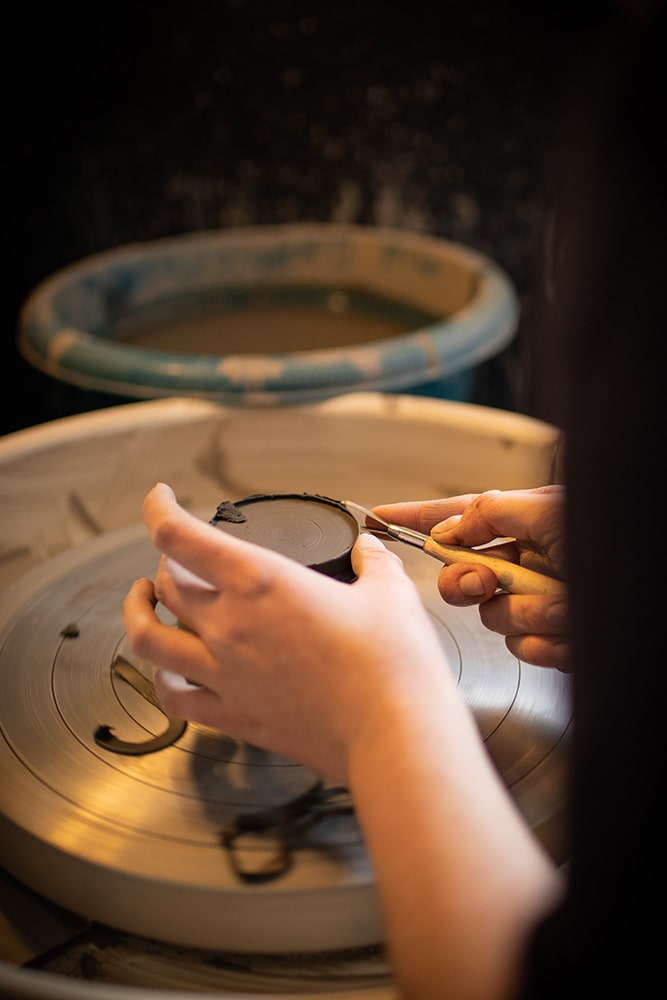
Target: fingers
(182,538)
(421,515)
(541,651)
(181,592)
(533,516)
(535,628)
(181,700)
(152,640)
(196,546)
(372,560)
(382,571)
(516,614)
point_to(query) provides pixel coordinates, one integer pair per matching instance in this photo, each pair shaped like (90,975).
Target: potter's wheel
(133,842)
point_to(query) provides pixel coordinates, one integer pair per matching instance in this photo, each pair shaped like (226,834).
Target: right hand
(535,627)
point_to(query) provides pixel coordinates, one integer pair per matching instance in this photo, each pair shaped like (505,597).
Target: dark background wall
(139,120)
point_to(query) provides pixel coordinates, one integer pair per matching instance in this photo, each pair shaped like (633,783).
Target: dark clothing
(605,324)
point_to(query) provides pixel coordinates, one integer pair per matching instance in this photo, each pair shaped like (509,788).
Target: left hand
(288,659)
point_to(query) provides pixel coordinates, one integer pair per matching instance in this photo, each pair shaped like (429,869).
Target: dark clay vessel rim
(340,567)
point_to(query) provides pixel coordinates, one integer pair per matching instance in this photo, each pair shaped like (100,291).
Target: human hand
(288,659)
(350,680)
(535,627)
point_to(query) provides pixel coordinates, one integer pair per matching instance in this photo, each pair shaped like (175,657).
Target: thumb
(371,559)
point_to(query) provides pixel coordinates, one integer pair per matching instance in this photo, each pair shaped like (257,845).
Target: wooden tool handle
(512,577)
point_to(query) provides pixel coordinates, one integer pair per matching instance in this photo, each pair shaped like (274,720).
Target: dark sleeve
(607,333)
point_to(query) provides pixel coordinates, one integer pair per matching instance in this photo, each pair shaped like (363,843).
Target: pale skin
(351,681)
(535,628)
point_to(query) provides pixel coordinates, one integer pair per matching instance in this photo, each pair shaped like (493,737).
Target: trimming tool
(511,576)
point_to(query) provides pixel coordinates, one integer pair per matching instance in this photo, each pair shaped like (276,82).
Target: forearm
(461,878)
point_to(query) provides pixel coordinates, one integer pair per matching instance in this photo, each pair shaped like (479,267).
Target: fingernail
(442,530)
(471,585)
(556,615)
